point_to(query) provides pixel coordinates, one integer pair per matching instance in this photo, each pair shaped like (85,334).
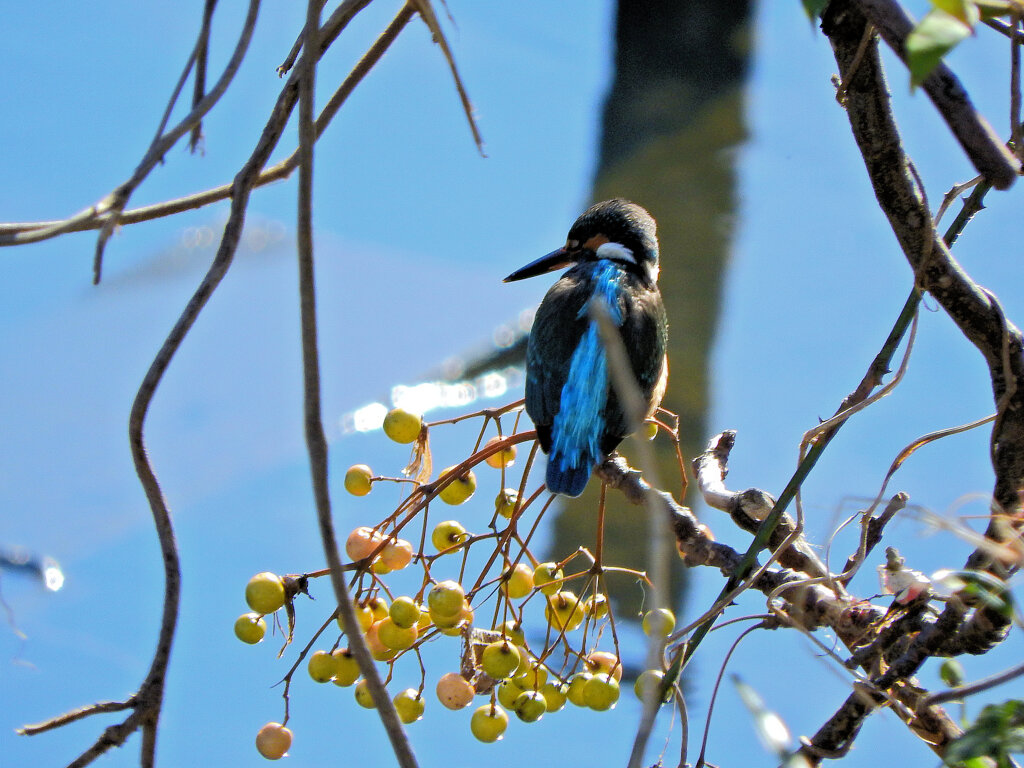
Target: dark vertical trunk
(671,124)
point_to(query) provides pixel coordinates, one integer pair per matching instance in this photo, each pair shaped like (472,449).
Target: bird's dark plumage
(613,253)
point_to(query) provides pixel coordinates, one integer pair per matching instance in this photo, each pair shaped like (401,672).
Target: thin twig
(148,700)
(426,12)
(118,199)
(202,55)
(956,694)
(316,440)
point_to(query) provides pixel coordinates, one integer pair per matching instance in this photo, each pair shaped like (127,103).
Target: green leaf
(952,673)
(965,11)
(998,732)
(814,8)
(935,36)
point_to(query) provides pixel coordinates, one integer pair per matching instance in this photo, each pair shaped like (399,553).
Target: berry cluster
(564,604)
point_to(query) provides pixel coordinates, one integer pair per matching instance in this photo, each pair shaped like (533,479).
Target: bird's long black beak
(551,262)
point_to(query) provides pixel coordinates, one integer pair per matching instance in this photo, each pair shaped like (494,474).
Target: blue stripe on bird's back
(580,421)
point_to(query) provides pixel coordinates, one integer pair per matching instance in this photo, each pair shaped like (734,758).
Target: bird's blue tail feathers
(580,421)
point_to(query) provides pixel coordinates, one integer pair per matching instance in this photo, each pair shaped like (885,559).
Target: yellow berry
(395,637)
(402,426)
(448,534)
(460,489)
(505,502)
(519,583)
(564,611)
(488,723)
(358,480)
(363,697)
(499,659)
(250,628)
(503,458)
(346,668)
(321,666)
(596,606)
(265,592)
(547,577)
(409,705)
(659,622)
(648,683)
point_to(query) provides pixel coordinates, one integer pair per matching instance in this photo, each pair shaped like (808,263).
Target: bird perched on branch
(613,251)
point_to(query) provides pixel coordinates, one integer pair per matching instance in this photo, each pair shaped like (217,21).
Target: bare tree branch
(975,311)
(982,145)
(316,441)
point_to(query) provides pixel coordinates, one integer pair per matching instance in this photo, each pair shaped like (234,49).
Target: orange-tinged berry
(273,741)
(362,542)
(454,691)
(604,661)
(503,458)
(396,554)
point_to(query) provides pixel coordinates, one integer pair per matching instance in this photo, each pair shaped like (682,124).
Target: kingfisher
(612,250)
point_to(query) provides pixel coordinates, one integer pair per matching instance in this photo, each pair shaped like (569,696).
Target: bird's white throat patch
(615,252)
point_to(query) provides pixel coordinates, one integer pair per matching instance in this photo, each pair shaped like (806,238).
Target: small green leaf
(952,673)
(814,8)
(997,733)
(935,36)
(965,11)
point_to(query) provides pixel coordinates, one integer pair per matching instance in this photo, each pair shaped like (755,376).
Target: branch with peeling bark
(888,645)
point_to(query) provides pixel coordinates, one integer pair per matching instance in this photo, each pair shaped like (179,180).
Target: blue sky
(414,233)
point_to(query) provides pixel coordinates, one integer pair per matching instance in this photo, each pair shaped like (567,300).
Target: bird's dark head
(617,230)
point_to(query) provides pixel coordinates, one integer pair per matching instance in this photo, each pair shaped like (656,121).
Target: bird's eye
(572,245)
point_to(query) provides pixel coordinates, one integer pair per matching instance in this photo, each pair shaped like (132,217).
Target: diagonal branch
(975,311)
(977,138)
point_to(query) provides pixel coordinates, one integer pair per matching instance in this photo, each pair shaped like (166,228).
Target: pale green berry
(409,705)
(250,628)
(489,723)
(659,622)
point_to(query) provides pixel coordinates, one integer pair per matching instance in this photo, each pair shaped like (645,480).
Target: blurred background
(781,277)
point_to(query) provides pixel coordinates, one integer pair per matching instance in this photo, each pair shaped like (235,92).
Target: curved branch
(110,206)
(975,311)
(979,141)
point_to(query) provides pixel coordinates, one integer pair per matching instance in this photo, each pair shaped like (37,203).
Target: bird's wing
(556,330)
(644,332)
